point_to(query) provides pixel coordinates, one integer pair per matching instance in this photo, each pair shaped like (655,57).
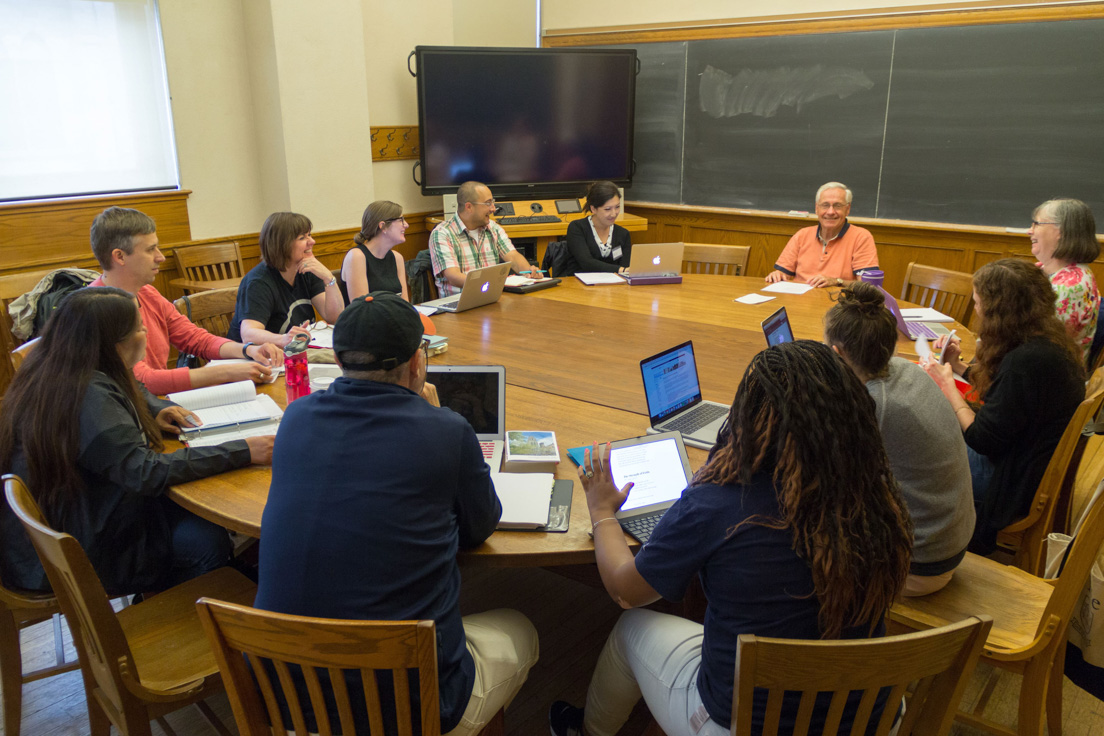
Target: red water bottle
(296,375)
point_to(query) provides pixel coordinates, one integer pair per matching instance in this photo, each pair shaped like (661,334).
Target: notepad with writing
(525,499)
(231,411)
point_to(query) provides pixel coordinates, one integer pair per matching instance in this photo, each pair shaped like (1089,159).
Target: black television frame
(527,189)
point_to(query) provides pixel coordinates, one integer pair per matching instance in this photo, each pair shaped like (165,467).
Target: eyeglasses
(425,348)
(394,219)
(1036,223)
(832,205)
(489,203)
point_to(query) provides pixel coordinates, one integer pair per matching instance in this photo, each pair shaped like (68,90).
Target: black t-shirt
(382,273)
(265,297)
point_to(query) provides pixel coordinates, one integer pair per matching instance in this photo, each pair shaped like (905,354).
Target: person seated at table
(1028,378)
(597,242)
(374,265)
(831,252)
(382,543)
(470,239)
(921,436)
(86,438)
(795,527)
(277,299)
(125,243)
(1063,238)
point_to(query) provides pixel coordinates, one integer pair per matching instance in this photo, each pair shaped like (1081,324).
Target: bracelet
(595,524)
(245,350)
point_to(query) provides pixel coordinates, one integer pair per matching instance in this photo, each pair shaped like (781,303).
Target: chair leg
(59,642)
(1033,696)
(1054,692)
(11,672)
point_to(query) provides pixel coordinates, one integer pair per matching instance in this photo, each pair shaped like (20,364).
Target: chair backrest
(212,310)
(937,662)
(210,261)
(950,292)
(97,635)
(725,260)
(555,258)
(1053,495)
(312,644)
(1096,351)
(20,353)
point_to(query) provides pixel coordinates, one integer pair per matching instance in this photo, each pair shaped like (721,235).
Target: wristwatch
(332,282)
(245,350)
(839,281)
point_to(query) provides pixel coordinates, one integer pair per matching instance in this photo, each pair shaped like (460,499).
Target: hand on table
(260,449)
(265,354)
(774,276)
(821,281)
(172,418)
(603,497)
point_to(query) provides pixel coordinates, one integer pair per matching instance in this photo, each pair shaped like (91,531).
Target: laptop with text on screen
(482,286)
(674,397)
(477,393)
(655,263)
(659,470)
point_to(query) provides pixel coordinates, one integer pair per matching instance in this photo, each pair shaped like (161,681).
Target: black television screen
(525,121)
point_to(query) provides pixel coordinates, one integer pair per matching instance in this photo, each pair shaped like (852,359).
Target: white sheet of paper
(427,311)
(753,299)
(599,277)
(515,280)
(924,314)
(786,287)
(204,398)
(322,338)
(276,370)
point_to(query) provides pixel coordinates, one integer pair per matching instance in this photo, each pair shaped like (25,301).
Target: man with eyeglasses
(373,493)
(833,251)
(470,239)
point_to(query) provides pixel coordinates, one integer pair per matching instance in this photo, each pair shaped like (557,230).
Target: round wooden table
(572,355)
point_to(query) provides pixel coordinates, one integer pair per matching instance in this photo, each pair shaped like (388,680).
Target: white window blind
(84,99)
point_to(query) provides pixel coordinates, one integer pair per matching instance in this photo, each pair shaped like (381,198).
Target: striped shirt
(451,245)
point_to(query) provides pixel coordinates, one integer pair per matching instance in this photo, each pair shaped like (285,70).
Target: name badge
(617,252)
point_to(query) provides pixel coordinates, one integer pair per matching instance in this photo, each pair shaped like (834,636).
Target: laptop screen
(670,381)
(475,392)
(777,328)
(656,467)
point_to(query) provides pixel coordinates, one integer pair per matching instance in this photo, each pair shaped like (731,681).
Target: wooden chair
(725,260)
(240,633)
(950,292)
(12,287)
(208,262)
(1050,508)
(212,310)
(20,353)
(144,661)
(935,665)
(1030,618)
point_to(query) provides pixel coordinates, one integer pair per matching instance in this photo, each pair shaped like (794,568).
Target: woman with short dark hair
(596,243)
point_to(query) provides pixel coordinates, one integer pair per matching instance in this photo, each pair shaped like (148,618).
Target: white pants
(503,644)
(656,656)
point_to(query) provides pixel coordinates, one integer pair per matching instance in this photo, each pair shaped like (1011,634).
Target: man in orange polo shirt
(832,252)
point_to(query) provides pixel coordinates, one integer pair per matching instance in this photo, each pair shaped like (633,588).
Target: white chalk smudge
(761,92)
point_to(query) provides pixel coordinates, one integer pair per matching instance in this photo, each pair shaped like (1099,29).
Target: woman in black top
(1028,377)
(596,243)
(373,265)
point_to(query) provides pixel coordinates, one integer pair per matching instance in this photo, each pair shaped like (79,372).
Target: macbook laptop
(777,328)
(674,397)
(482,287)
(477,393)
(659,470)
(655,263)
(912,330)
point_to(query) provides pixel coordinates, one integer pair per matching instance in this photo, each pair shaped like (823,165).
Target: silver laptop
(477,393)
(674,397)
(660,471)
(482,287)
(655,263)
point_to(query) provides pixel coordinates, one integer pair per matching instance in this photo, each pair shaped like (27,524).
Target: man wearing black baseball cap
(374,488)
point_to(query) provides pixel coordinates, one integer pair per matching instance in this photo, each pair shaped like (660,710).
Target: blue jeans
(981,473)
(198,546)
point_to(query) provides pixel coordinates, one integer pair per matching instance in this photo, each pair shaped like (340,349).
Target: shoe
(564,719)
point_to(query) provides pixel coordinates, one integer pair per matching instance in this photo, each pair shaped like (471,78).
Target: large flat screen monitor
(525,121)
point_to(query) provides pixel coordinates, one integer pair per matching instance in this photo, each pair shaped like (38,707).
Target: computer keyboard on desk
(695,420)
(530,220)
(641,527)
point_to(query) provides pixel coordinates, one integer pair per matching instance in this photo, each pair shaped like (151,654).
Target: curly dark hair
(1015,304)
(862,329)
(800,411)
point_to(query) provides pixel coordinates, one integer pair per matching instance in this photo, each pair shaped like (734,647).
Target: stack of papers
(515,280)
(787,287)
(599,277)
(525,499)
(232,411)
(924,314)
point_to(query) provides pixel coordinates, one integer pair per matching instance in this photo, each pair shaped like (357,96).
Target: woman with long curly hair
(794,525)
(86,438)
(1028,377)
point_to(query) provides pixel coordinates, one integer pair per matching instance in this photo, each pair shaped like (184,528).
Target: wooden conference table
(572,357)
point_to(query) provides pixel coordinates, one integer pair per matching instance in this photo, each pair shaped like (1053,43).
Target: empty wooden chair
(144,661)
(935,664)
(1030,618)
(725,260)
(327,645)
(208,266)
(950,292)
(212,310)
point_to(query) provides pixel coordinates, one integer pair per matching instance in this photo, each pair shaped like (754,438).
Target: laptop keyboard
(919,329)
(448,305)
(693,421)
(641,527)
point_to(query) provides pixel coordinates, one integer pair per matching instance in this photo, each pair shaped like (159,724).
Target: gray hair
(833,185)
(1077,241)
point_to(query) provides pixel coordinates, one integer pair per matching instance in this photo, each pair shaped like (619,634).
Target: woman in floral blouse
(1063,238)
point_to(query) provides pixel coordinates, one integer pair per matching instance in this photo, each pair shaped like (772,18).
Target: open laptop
(477,393)
(912,330)
(776,328)
(655,263)
(482,287)
(674,397)
(659,470)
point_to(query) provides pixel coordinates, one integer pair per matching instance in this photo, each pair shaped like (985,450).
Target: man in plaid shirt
(470,239)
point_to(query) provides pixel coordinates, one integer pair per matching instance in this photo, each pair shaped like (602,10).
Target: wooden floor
(573,619)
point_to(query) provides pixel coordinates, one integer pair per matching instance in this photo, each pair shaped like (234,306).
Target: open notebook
(232,411)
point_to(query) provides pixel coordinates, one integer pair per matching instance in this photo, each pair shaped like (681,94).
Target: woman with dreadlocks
(795,527)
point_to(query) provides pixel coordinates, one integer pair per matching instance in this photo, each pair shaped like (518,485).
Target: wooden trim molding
(879,19)
(395,143)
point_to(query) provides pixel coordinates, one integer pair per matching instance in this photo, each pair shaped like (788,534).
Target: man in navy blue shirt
(374,489)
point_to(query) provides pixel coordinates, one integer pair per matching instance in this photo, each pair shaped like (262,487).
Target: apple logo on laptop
(485,286)
(656,260)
